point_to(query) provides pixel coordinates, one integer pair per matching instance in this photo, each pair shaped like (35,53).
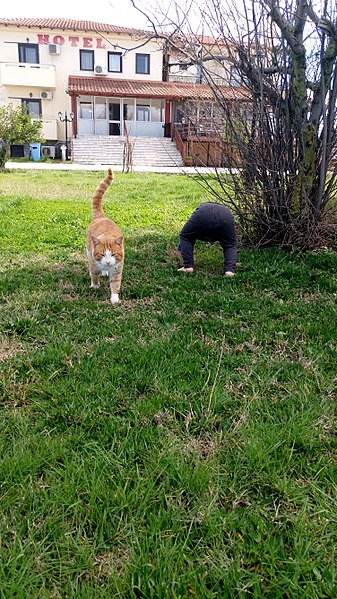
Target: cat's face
(108,252)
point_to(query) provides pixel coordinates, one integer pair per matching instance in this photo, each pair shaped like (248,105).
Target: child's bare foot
(183,269)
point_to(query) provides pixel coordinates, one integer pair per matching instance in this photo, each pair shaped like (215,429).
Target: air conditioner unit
(46,95)
(54,49)
(99,70)
(48,151)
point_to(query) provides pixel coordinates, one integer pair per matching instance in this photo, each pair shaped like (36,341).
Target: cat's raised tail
(97,198)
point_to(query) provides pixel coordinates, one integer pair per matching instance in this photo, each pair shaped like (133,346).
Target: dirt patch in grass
(111,561)
(9,348)
(140,302)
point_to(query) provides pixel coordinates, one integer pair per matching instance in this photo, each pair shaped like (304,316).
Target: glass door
(115,125)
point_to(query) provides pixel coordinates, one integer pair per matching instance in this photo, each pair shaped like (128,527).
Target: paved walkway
(70,166)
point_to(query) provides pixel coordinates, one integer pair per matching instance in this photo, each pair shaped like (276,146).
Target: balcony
(27,75)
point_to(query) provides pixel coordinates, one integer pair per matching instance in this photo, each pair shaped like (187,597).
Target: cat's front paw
(114,299)
(94,286)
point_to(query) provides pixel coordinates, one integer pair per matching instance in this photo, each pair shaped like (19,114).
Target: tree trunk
(4,155)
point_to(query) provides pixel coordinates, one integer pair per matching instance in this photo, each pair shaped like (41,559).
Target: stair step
(146,151)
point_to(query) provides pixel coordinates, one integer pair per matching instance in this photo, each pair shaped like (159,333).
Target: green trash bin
(35,150)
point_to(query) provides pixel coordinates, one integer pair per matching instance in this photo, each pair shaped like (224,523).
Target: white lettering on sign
(74,41)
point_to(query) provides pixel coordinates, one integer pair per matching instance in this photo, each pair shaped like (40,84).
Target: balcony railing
(216,81)
(26,74)
(204,146)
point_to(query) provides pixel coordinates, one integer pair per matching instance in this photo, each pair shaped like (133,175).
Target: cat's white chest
(105,270)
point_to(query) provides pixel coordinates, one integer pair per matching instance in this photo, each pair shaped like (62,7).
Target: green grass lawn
(181,444)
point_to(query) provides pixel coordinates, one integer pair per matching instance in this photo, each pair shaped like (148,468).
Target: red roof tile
(70,25)
(105,86)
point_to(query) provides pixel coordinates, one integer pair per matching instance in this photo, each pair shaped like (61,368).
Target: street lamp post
(66,119)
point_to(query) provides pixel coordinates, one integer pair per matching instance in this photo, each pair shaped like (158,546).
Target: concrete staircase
(109,150)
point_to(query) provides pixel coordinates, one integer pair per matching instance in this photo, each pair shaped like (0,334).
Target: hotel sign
(73,40)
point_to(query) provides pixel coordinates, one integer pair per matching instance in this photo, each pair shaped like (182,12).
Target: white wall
(66,63)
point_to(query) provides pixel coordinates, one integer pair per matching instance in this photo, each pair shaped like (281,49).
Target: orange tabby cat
(105,244)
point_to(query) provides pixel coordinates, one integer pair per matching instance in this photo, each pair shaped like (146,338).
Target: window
(143,112)
(100,108)
(86,60)
(205,112)
(86,110)
(114,110)
(128,110)
(33,107)
(143,64)
(235,77)
(29,53)
(114,62)
(157,111)
(180,114)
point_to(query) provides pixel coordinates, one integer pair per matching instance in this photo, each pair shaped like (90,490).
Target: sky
(115,12)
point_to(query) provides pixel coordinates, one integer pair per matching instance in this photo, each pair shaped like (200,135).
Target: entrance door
(114,117)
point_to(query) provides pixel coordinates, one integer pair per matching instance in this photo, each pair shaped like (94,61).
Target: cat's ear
(95,241)
(119,240)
